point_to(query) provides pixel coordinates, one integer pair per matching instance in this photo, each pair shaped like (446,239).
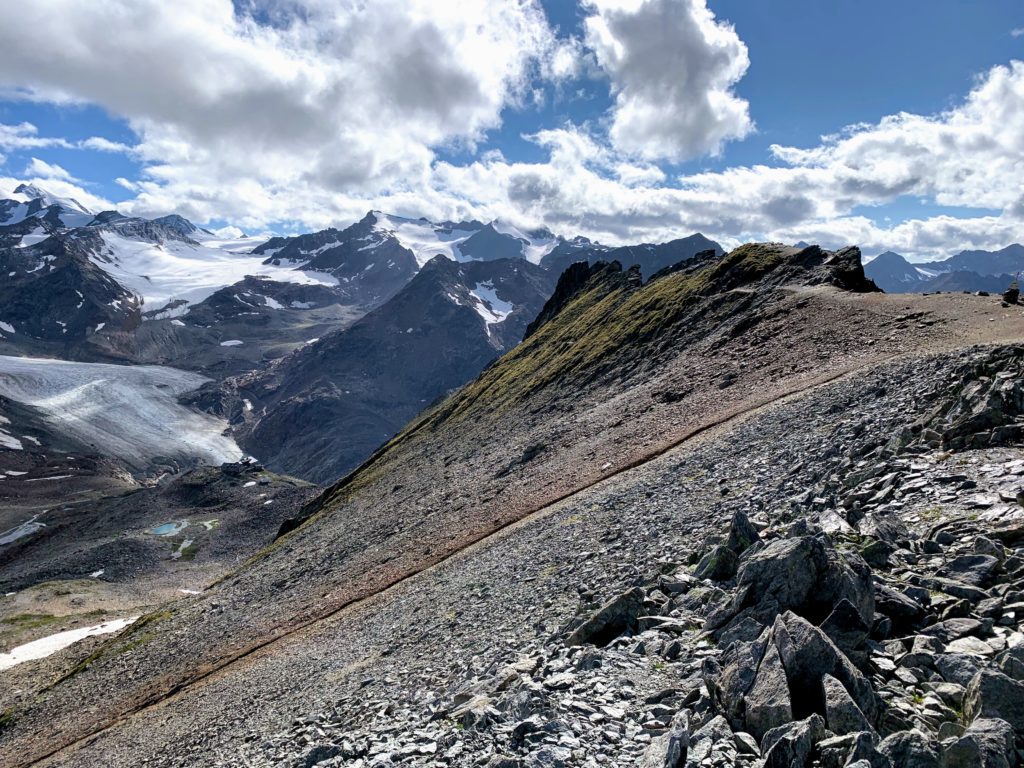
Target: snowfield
(164,272)
(127,411)
(46,646)
(427,240)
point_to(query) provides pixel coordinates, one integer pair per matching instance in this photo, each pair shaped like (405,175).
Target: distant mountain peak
(36,193)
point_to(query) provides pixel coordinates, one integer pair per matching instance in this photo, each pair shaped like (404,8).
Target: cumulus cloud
(26,136)
(970,156)
(41,169)
(346,96)
(672,68)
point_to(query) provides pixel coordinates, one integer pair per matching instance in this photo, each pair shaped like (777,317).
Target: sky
(886,125)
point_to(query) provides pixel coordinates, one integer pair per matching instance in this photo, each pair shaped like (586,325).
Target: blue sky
(441,115)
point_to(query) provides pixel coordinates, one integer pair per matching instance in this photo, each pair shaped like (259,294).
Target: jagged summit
(44,199)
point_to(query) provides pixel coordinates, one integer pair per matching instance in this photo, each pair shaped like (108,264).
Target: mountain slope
(321,411)
(620,373)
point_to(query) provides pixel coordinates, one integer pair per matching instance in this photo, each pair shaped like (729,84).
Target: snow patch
(489,306)
(21,531)
(46,646)
(232,343)
(7,327)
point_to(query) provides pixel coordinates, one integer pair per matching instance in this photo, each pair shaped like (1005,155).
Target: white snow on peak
(427,240)
(30,192)
(424,239)
(132,411)
(489,306)
(164,272)
(536,247)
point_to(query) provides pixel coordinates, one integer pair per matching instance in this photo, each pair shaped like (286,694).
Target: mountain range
(977,270)
(321,345)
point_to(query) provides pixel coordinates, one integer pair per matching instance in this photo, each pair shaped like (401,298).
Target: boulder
(767,702)
(977,570)
(992,694)
(987,743)
(613,619)
(805,575)
(906,614)
(951,629)
(957,668)
(909,749)
(742,533)
(793,744)
(845,627)
(729,680)
(807,656)
(851,749)
(715,731)
(718,565)
(1011,662)
(842,715)
(669,750)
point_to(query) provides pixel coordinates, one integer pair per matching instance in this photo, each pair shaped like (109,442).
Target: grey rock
(807,656)
(614,618)
(904,612)
(847,630)
(715,731)
(842,715)
(793,744)
(669,750)
(847,750)
(742,533)
(957,668)
(909,749)
(949,630)
(767,702)
(1011,662)
(718,565)
(805,575)
(992,694)
(975,570)
(987,743)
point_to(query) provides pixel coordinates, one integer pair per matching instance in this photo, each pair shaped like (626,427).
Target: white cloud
(26,136)
(100,144)
(970,156)
(672,68)
(41,169)
(1018,32)
(345,97)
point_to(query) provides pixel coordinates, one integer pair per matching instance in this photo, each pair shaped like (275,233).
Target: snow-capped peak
(33,192)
